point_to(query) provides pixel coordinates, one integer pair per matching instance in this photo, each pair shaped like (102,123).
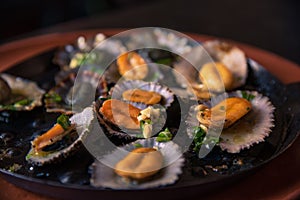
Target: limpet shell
(26,88)
(251,129)
(232,57)
(96,83)
(104,176)
(165,92)
(83,121)
(154,73)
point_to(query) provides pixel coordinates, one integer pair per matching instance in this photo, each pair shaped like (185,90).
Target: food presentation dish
(217,166)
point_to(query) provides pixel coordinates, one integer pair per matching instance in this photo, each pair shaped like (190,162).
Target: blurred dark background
(268,24)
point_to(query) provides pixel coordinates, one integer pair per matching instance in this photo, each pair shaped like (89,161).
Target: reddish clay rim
(15,52)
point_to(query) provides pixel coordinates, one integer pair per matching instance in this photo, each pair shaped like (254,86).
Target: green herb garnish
(247,96)
(165,61)
(23,102)
(64,121)
(54,97)
(201,138)
(164,136)
(199,135)
(138,145)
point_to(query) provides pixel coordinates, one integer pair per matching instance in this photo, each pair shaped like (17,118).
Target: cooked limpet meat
(232,57)
(141,93)
(63,139)
(132,66)
(216,76)
(140,163)
(247,116)
(121,113)
(142,96)
(200,91)
(59,130)
(232,109)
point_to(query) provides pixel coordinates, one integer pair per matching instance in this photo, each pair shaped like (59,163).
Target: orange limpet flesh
(121,113)
(142,96)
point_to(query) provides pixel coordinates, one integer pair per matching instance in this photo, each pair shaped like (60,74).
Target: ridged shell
(253,128)
(26,88)
(165,92)
(154,73)
(83,121)
(63,88)
(104,176)
(121,136)
(232,57)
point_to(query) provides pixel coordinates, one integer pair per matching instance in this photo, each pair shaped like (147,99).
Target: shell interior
(104,176)
(28,89)
(82,121)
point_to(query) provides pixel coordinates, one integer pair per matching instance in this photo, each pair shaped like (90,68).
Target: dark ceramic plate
(70,179)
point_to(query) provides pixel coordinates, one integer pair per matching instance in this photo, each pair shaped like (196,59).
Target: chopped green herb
(165,61)
(247,96)
(64,121)
(28,156)
(222,108)
(54,96)
(138,145)
(23,102)
(201,138)
(164,136)
(199,135)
